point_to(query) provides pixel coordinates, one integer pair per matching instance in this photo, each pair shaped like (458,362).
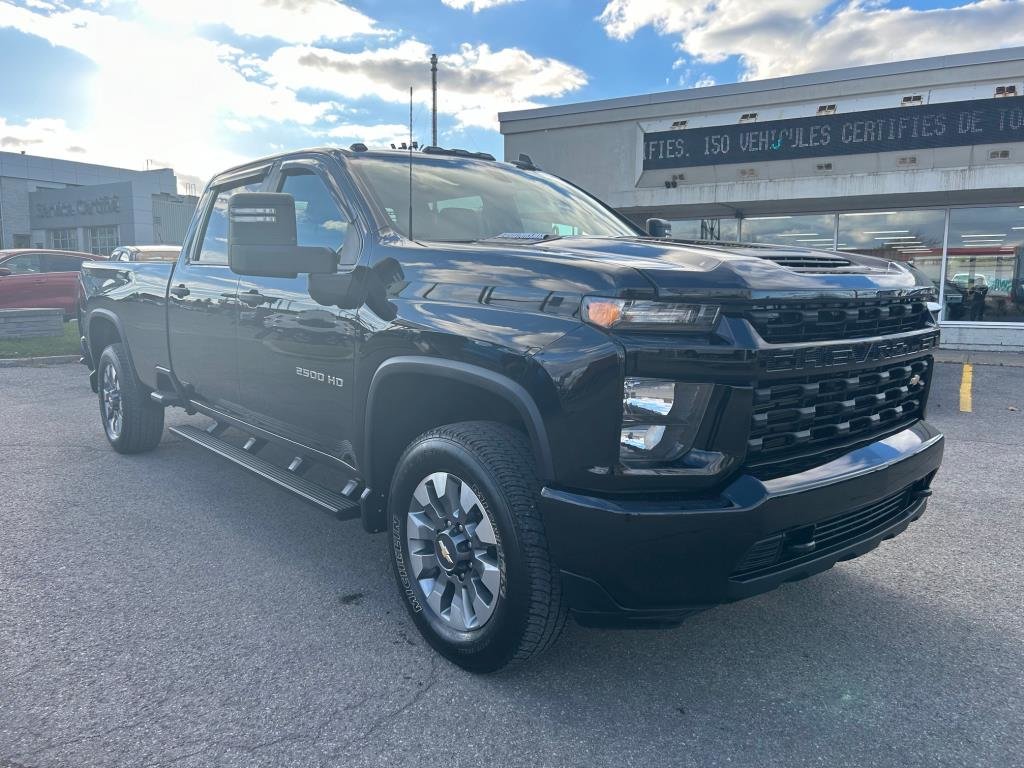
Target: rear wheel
(131,421)
(468,546)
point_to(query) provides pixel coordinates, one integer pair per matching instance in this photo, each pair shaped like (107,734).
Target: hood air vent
(809,261)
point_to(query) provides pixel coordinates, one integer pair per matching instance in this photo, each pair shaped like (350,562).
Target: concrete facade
(87,205)
(655,155)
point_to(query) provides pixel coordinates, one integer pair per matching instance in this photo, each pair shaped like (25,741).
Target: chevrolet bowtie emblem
(444,552)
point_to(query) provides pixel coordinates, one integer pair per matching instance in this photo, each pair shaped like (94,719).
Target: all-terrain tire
(141,422)
(497,463)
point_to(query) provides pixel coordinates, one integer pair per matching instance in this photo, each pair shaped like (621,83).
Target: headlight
(615,313)
(660,419)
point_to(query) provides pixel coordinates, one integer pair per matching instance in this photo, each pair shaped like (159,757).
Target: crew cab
(545,408)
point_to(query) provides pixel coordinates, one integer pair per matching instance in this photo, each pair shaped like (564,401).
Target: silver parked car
(145,253)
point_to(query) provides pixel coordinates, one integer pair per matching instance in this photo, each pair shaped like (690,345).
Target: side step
(335,503)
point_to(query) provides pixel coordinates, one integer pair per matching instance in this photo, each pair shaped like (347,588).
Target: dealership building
(916,161)
(50,203)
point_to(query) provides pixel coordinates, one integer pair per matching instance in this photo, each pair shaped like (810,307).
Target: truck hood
(679,269)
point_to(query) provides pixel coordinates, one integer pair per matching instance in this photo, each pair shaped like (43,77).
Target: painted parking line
(966,382)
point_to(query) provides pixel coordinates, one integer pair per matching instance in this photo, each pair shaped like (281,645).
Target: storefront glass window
(814,231)
(725,230)
(914,237)
(64,239)
(985,261)
(103,240)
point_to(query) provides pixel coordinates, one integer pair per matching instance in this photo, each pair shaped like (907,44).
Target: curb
(998,359)
(36,362)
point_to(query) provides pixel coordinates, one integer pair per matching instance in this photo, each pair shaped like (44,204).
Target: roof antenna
(410,162)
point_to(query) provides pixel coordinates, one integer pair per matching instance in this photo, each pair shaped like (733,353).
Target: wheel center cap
(447,554)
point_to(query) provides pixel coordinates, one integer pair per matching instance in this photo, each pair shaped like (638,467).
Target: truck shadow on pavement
(869,647)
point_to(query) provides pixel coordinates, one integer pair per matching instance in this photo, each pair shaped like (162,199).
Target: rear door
(296,357)
(202,312)
(61,280)
(25,287)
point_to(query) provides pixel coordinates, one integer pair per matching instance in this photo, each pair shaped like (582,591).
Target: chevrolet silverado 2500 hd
(546,409)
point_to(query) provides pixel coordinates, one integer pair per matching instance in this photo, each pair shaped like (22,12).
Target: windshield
(473,200)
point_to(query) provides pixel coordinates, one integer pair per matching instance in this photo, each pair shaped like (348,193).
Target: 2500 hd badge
(308,373)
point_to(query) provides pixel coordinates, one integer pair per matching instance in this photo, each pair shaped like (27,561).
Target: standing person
(976,298)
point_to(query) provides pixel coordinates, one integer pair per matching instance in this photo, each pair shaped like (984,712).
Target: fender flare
(496,383)
(106,314)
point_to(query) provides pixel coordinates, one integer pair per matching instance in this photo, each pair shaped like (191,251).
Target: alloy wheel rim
(113,414)
(453,551)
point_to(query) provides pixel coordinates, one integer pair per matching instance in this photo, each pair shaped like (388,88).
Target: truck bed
(133,295)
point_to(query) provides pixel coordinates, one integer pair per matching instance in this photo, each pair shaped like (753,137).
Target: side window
(56,262)
(214,247)
(318,220)
(26,264)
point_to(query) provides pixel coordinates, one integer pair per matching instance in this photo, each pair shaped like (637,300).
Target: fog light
(660,419)
(642,437)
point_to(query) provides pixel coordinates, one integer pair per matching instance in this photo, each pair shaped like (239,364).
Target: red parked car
(41,278)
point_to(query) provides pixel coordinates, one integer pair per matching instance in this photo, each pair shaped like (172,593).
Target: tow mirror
(658,228)
(262,238)
(5,272)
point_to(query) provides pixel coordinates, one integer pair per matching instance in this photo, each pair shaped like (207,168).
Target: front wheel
(469,549)
(132,422)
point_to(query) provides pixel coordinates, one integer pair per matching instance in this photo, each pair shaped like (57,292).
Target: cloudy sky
(202,84)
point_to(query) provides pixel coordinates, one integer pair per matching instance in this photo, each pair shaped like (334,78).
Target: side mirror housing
(5,272)
(658,228)
(346,290)
(262,238)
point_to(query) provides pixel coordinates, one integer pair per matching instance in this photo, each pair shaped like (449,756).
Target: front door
(296,357)
(202,307)
(25,286)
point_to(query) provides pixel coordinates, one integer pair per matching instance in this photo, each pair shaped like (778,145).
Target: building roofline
(911,66)
(4,155)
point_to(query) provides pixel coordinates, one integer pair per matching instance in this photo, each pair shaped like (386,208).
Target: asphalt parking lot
(170,609)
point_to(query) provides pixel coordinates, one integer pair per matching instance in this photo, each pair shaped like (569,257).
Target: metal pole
(433,86)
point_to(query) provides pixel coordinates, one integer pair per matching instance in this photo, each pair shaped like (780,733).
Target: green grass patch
(43,346)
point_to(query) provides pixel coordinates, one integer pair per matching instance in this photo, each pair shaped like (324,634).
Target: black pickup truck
(547,409)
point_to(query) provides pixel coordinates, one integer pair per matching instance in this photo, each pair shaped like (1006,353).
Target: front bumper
(660,558)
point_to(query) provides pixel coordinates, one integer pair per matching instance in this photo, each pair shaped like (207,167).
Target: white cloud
(474,84)
(160,91)
(384,133)
(294,21)
(787,37)
(477,5)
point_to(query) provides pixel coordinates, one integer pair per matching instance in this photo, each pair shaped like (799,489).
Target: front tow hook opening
(800,541)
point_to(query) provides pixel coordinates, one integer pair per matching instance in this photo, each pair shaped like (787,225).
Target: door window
(56,262)
(214,248)
(318,219)
(26,264)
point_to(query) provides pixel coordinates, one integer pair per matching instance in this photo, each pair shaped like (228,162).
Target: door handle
(180,291)
(254,298)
